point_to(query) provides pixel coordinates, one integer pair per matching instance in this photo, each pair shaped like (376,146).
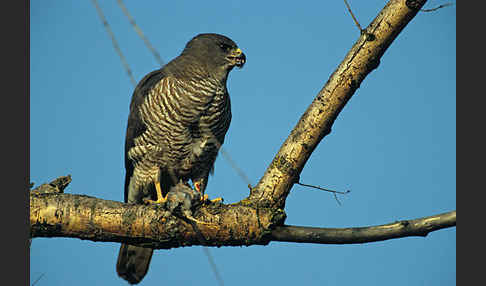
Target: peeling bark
(259,218)
(84,217)
(316,122)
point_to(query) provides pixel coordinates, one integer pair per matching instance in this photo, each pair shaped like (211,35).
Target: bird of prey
(179,116)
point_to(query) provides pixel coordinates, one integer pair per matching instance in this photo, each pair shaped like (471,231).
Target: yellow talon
(206,198)
(217,200)
(160,198)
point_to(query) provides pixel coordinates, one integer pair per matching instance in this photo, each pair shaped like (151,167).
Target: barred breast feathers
(172,107)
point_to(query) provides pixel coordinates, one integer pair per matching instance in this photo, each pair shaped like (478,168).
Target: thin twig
(140,33)
(38,279)
(436,8)
(327,190)
(115,43)
(336,198)
(352,15)
(323,189)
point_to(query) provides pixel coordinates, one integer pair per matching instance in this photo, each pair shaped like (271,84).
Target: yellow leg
(206,198)
(160,198)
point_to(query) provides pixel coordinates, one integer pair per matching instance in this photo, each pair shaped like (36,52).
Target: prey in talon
(179,116)
(183,199)
(205,197)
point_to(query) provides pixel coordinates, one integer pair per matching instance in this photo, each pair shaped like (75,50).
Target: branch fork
(259,218)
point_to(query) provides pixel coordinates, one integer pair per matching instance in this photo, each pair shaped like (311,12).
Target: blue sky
(393,145)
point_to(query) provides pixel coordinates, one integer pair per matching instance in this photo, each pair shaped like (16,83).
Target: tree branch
(316,122)
(259,218)
(403,228)
(84,217)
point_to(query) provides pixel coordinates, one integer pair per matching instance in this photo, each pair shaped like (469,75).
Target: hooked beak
(238,58)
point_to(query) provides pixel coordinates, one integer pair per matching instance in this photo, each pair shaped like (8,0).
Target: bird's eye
(225,47)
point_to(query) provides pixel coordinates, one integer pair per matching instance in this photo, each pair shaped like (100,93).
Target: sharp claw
(160,200)
(217,200)
(205,199)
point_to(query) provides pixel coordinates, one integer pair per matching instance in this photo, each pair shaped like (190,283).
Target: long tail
(133,262)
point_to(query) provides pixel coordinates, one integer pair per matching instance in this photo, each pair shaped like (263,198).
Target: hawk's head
(215,51)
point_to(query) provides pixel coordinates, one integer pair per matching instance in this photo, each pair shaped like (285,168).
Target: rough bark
(84,217)
(259,218)
(55,214)
(316,122)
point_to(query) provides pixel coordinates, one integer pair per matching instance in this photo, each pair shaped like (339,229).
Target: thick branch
(259,218)
(66,215)
(84,217)
(316,122)
(404,228)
